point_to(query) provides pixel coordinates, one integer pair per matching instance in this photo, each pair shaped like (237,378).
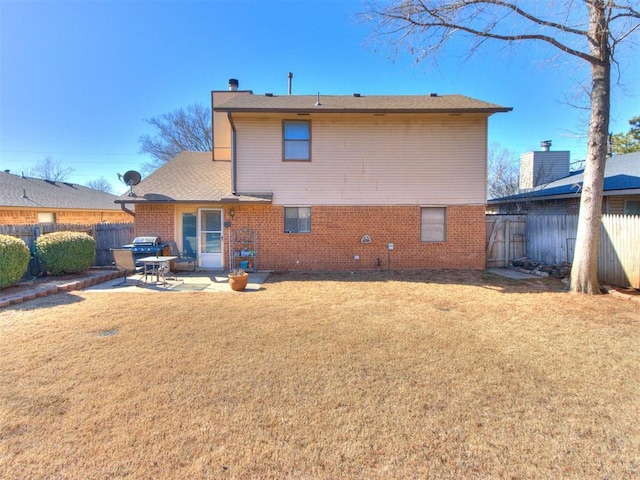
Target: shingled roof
(19,191)
(190,177)
(621,177)
(359,103)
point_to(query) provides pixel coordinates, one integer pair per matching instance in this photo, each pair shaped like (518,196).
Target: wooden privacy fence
(106,235)
(505,239)
(550,239)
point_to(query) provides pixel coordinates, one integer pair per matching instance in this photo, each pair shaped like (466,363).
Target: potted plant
(238,279)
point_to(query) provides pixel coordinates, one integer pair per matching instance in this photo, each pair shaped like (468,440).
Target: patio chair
(124,262)
(183,257)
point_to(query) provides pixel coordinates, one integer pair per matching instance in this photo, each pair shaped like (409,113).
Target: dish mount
(130,178)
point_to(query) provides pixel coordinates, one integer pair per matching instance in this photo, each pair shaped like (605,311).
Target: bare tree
(178,131)
(101,184)
(50,169)
(503,170)
(589,30)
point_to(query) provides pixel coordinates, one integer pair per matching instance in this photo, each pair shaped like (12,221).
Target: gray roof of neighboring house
(18,191)
(190,177)
(621,176)
(362,103)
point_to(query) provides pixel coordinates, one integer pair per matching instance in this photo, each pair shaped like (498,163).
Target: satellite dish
(131,178)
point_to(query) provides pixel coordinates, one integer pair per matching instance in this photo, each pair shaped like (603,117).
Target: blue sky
(78,78)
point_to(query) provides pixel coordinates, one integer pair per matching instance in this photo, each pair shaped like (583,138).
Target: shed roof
(359,103)
(190,177)
(20,191)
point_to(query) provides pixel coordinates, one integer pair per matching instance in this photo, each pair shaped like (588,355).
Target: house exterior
(559,192)
(26,201)
(319,182)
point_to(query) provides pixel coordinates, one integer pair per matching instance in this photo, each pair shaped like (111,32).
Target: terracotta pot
(238,282)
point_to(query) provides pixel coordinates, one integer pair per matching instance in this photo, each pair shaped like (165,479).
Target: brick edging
(67,286)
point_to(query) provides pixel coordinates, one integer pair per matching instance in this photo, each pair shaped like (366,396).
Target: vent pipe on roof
(290,77)
(233,85)
(545,145)
(318,100)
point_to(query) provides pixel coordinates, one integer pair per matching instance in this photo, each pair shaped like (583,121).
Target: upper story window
(296,140)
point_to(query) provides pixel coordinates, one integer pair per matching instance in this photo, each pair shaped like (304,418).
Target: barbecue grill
(145,246)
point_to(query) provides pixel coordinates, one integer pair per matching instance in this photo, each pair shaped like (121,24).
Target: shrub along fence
(551,239)
(106,235)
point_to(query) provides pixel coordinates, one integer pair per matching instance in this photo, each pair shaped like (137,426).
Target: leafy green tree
(627,142)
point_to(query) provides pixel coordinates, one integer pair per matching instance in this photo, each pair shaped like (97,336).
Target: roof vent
(318,100)
(433,94)
(233,85)
(357,95)
(545,145)
(268,94)
(7,171)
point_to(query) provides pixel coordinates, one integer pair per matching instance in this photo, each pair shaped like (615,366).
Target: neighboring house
(25,200)
(327,182)
(561,195)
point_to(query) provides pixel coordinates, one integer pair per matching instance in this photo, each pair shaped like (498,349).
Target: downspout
(126,210)
(233,153)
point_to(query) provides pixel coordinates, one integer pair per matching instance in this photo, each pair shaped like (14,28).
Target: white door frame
(210,252)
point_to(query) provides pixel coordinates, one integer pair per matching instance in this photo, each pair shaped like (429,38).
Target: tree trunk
(584,272)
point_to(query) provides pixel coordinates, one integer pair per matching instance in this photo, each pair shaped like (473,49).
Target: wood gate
(506,239)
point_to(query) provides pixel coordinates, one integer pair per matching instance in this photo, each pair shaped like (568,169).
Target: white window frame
(294,141)
(46,217)
(297,228)
(433,224)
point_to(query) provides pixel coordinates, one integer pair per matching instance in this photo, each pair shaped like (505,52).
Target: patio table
(158,265)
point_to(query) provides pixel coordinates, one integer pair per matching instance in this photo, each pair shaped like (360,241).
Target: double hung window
(433,226)
(296,139)
(297,219)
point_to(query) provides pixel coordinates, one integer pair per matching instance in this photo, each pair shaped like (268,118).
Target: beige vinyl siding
(368,160)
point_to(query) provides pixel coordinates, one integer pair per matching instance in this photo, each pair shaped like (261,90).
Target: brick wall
(89,217)
(155,220)
(336,233)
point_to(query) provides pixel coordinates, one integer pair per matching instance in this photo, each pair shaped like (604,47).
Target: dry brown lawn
(423,375)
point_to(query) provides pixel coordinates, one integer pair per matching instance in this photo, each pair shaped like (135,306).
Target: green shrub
(14,260)
(65,252)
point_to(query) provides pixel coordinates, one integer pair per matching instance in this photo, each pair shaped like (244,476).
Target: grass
(421,375)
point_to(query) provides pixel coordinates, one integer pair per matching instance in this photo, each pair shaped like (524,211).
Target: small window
(632,207)
(434,224)
(46,217)
(296,137)
(297,219)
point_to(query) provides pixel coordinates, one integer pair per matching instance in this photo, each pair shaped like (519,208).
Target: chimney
(233,85)
(542,167)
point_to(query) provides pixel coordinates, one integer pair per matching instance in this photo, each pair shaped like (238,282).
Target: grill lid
(140,241)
